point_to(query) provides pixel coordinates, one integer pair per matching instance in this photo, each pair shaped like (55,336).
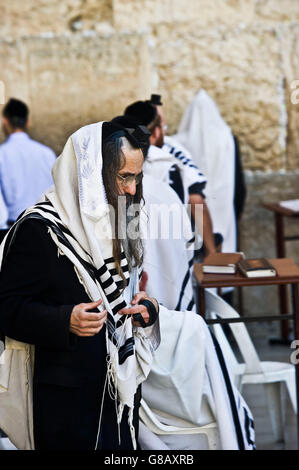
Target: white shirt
(25,172)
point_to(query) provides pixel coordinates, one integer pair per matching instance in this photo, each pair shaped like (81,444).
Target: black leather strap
(138,317)
(153,314)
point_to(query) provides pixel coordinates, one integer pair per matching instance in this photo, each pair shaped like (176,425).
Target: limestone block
(240,69)
(82,80)
(277,10)
(35,17)
(140,14)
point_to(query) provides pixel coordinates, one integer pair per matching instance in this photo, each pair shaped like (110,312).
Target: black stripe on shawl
(48,211)
(249,423)
(111,260)
(119,307)
(190,305)
(125,357)
(230,393)
(121,321)
(186,279)
(45,203)
(126,350)
(107,283)
(114,272)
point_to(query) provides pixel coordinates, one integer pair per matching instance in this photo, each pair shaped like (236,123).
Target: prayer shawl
(210,141)
(189,386)
(168,246)
(160,163)
(184,156)
(77,216)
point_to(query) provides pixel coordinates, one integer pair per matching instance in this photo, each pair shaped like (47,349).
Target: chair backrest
(217,306)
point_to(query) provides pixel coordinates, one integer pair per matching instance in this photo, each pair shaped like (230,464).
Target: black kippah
(136,133)
(122,126)
(156,100)
(143,111)
(110,128)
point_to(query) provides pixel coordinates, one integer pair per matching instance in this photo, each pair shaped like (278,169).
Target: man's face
(133,167)
(157,137)
(161,114)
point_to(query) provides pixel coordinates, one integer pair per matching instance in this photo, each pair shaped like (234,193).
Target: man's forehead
(133,160)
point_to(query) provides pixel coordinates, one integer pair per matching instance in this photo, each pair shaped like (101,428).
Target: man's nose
(131,189)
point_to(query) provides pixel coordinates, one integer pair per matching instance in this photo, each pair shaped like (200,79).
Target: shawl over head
(80,200)
(76,212)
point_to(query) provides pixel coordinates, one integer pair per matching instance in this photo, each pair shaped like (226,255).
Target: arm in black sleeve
(24,313)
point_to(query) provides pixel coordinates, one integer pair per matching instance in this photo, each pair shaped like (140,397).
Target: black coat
(38,290)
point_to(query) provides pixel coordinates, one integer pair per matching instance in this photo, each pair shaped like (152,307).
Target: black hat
(143,111)
(156,100)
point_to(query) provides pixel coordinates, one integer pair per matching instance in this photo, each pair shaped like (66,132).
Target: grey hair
(113,161)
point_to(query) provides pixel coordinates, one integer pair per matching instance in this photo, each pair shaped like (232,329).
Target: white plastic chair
(152,420)
(252,371)
(5,444)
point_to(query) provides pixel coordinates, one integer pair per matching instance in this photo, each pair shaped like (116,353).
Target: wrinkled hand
(139,308)
(84,323)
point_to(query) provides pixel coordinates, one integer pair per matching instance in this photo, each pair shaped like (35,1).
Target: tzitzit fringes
(101,412)
(131,426)
(112,390)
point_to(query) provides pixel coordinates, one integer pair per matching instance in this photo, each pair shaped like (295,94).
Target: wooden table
(280,238)
(287,273)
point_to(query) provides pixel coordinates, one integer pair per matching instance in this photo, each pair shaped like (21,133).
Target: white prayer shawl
(210,141)
(180,152)
(168,247)
(159,162)
(78,201)
(188,388)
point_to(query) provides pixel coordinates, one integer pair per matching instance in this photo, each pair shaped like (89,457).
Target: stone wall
(79,61)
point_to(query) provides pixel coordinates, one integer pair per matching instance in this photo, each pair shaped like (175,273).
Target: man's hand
(139,308)
(84,323)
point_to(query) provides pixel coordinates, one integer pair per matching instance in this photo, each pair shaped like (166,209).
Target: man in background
(25,165)
(185,179)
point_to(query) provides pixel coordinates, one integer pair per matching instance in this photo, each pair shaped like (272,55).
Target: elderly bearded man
(66,284)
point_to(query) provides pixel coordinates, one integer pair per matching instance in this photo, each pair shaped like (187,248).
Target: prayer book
(221,263)
(257,267)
